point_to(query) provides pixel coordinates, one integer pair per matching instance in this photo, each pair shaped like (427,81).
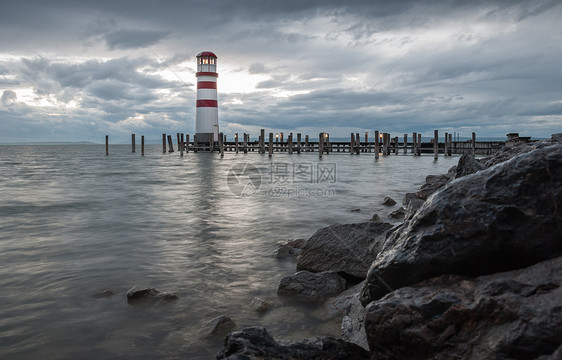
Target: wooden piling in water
(106,144)
(245,143)
(414,140)
(473,143)
(351,144)
(405,144)
(290,142)
(384,144)
(164,143)
(221,144)
(180,145)
(320,145)
(236,142)
(306,143)
(262,141)
(281,142)
(142,145)
(435,144)
(186,143)
(298,143)
(450,153)
(357,143)
(446,148)
(270,144)
(212,142)
(133,142)
(178,139)
(377,138)
(170,144)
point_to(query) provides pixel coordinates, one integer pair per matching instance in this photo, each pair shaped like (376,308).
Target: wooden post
(221,144)
(290,140)
(164,143)
(245,143)
(306,144)
(262,144)
(384,144)
(170,144)
(320,145)
(181,144)
(327,145)
(405,144)
(186,143)
(236,142)
(178,139)
(377,144)
(473,144)
(270,144)
(435,144)
(367,142)
(212,142)
(419,144)
(414,139)
(133,142)
(357,143)
(351,144)
(142,145)
(446,149)
(450,145)
(298,143)
(106,144)
(281,144)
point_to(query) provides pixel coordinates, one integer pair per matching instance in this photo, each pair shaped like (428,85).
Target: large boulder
(502,218)
(432,184)
(255,343)
(342,248)
(510,315)
(468,165)
(313,286)
(217,327)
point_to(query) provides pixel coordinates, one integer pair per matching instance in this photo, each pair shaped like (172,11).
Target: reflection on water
(75,222)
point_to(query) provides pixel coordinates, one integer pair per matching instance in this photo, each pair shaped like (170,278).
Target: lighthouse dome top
(206,53)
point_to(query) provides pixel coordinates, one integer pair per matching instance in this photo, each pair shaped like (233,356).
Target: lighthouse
(207,116)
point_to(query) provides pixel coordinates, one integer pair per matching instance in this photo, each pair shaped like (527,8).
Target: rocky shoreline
(473,271)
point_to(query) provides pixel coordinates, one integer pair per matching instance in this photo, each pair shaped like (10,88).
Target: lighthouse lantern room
(207,115)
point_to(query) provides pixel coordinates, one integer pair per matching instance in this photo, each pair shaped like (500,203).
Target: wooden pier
(382,144)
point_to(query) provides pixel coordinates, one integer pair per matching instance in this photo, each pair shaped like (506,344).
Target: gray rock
(432,184)
(305,284)
(256,343)
(556,137)
(376,218)
(388,201)
(355,210)
(468,165)
(407,198)
(341,248)
(510,315)
(498,219)
(104,293)
(397,213)
(290,247)
(217,327)
(262,305)
(340,304)
(413,206)
(149,293)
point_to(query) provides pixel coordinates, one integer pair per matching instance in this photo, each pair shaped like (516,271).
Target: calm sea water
(74,222)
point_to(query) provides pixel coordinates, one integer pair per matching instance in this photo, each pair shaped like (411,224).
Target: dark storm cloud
(400,65)
(133,39)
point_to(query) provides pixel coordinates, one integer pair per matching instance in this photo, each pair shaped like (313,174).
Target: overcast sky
(77,70)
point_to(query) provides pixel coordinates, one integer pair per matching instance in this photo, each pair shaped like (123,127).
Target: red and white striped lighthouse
(207,116)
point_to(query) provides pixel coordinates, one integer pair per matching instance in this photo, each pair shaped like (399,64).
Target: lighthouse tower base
(206,138)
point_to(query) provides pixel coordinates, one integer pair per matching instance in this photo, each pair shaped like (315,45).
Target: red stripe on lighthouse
(206,85)
(206,73)
(207,103)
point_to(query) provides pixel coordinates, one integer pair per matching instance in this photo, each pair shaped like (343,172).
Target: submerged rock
(149,293)
(219,327)
(510,315)
(290,247)
(256,343)
(498,219)
(104,293)
(342,248)
(262,305)
(388,201)
(376,218)
(305,284)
